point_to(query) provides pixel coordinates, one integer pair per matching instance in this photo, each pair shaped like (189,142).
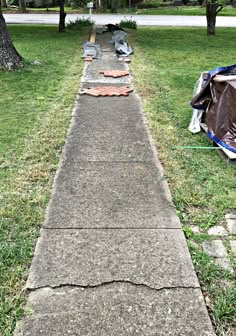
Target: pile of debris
(120,39)
(91,49)
(214,106)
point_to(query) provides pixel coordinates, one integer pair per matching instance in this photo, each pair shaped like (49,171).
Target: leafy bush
(79,24)
(147,5)
(156,4)
(113,5)
(132,24)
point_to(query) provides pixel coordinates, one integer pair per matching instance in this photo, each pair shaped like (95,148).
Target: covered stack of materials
(215,105)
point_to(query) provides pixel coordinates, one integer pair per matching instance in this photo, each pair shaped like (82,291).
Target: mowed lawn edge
(28,166)
(166,64)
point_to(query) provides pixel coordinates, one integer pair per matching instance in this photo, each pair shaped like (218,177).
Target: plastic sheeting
(194,125)
(218,100)
(91,49)
(120,39)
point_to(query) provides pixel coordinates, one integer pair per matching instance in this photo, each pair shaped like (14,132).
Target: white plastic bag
(194,125)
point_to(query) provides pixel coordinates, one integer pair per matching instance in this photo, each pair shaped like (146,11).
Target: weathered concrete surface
(233,246)
(108,62)
(156,258)
(217,230)
(110,195)
(231,224)
(112,259)
(224,263)
(215,248)
(101,132)
(119,309)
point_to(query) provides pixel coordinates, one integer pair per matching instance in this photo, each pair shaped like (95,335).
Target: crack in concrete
(106,283)
(111,228)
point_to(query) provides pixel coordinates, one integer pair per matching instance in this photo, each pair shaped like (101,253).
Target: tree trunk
(212,9)
(9,57)
(22,5)
(98,4)
(114,6)
(62,25)
(4,3)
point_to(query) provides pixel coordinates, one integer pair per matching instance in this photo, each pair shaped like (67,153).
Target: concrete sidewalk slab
(119,310)
(110,195)
(109,140)
(155,258)
(92,70)
(102,133)
(112,259)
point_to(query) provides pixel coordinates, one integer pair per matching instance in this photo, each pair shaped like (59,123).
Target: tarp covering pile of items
(214,103)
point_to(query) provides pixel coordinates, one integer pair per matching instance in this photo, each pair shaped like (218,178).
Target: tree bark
(22,5)
(212,9)
(10,59)
(4,3)
(62,25)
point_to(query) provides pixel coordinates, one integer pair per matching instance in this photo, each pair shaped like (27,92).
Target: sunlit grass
(36,104)
(166,65)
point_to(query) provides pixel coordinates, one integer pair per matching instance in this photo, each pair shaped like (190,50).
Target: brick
(107,91)
(88,59)
(114,73)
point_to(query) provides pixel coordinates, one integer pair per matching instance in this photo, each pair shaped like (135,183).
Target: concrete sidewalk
(112,259)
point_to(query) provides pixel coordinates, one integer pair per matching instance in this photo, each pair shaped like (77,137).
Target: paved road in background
(142,20)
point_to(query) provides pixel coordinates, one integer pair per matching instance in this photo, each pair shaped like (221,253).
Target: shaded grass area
(36,104)
(166,64)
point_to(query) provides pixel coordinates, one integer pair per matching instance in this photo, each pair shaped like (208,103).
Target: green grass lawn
(36,104)
(42,10)
(166,64)
(185,10)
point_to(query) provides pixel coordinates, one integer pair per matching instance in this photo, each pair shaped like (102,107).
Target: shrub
(156,4)
(78,3)
(132,24)
(79,23)
(147,5)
